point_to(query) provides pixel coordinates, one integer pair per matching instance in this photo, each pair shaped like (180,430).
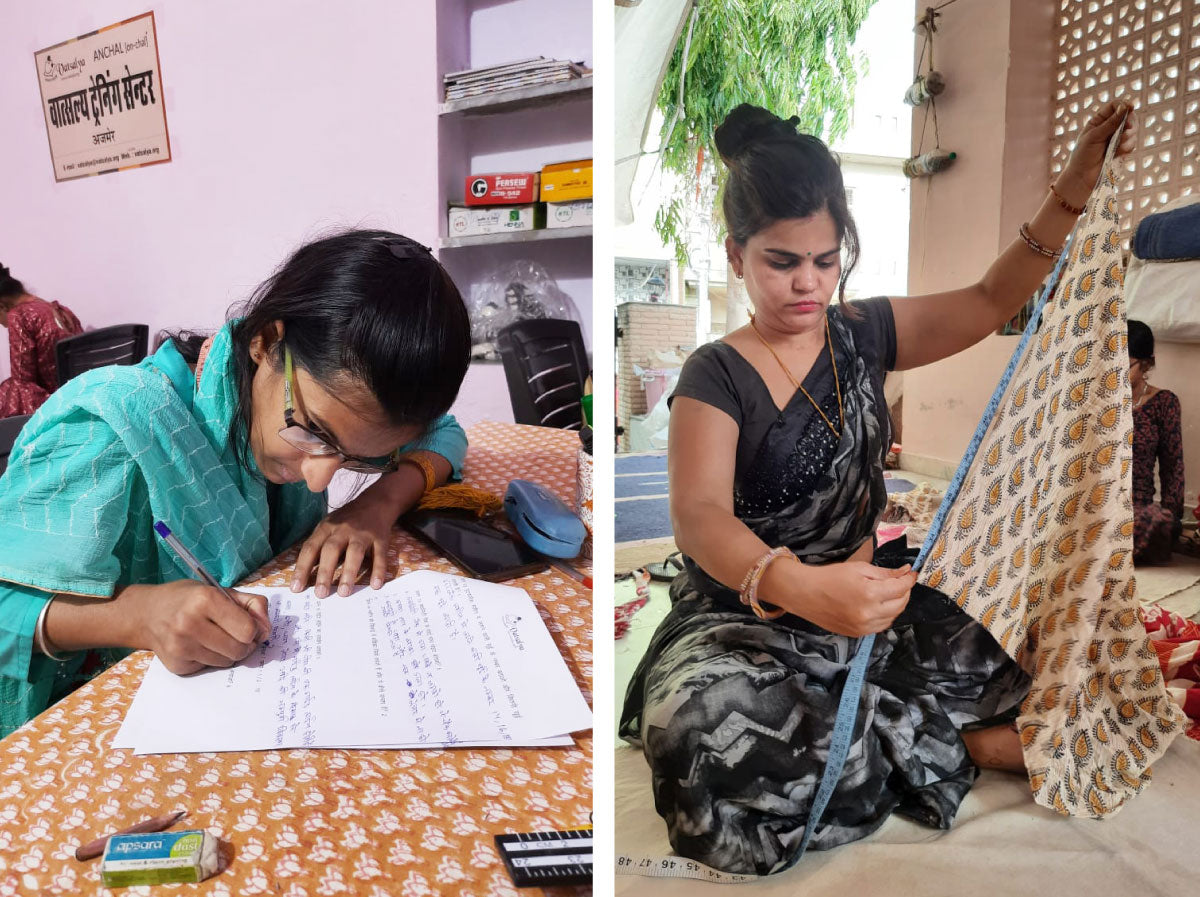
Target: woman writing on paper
(348,357)
(34,327)
(777,442)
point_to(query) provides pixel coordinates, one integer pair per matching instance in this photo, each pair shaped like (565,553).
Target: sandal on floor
(668,569)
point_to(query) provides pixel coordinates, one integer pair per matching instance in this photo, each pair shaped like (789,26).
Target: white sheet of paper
(430,660)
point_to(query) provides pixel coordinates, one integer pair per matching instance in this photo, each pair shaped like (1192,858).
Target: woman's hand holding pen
(190,625)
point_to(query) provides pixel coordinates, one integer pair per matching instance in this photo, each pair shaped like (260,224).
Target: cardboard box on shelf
(512,189)
(577,213)
(565,181)
(469,221)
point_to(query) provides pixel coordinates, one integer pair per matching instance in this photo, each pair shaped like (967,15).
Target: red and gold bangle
(1063,202)
(749,591)
(1035,245)
(756,570)
(419,459)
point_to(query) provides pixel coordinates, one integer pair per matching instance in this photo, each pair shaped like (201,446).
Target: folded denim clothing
(1169,236)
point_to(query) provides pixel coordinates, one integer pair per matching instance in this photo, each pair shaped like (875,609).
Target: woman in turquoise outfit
(349,356)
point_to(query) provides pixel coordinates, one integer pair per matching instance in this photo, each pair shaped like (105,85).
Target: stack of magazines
(496,78)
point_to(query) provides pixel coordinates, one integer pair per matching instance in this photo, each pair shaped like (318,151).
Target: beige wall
(955,228)
(996,114)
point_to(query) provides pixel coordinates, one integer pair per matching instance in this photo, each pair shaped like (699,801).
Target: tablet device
(482,551)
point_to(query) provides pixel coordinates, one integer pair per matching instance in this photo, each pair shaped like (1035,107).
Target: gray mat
(642,518)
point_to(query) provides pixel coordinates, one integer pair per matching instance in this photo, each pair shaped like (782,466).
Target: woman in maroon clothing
(34,326)
(1157,437)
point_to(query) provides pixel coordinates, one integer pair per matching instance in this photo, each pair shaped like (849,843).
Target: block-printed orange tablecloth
(311,822)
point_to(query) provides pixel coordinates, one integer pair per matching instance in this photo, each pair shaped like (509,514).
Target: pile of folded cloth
(909,514)
(1177,642)
(1161,281)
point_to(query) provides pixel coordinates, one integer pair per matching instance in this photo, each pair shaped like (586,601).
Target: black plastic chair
(545,364)
(119,344)
(10,428)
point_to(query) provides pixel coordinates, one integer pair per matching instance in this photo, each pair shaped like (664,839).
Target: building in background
(872,152)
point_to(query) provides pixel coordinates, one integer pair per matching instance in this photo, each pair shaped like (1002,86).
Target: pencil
(93,849)
(570,571)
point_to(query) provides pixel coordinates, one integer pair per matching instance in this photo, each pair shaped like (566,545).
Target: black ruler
(545,859)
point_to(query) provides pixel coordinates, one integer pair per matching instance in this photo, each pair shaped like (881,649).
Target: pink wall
(477,33)
(287,118)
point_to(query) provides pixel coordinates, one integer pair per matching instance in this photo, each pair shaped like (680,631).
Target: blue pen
(198,569)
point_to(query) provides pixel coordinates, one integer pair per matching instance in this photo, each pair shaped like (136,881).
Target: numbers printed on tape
(562,859)
(547,859)
(679,867)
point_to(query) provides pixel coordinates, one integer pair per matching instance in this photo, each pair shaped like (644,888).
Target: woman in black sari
(778,436)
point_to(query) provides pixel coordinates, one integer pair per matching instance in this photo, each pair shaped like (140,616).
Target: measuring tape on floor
(678,867)
(839,749)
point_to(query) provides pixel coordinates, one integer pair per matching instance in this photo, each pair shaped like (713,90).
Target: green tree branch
(790,56)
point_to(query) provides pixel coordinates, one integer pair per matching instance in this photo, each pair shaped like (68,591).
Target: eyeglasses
(312,443)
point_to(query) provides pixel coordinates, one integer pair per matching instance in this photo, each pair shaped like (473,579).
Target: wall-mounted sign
(103,102)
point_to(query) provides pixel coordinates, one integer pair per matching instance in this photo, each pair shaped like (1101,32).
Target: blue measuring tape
(839,747)
(847,712)
(956,482)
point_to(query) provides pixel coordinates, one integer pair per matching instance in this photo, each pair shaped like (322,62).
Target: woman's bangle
(426,468)
(749,590)
(1063,202)
(1035,245)
(39,633)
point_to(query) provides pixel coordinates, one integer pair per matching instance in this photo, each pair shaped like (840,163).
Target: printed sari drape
(1038,544)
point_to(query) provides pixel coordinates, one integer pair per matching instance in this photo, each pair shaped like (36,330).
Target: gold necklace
(796,383)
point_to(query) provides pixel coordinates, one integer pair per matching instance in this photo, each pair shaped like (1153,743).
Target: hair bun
(748,124)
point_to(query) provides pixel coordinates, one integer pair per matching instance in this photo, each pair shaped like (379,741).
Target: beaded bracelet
(744,588)
(756,570)
(39,633)
(1063,202)
(1035,245)
(749,590)
(426,468)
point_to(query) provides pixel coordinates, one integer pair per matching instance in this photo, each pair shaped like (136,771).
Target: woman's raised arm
(936,326)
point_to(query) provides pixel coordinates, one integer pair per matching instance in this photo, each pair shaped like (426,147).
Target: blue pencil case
(546,524)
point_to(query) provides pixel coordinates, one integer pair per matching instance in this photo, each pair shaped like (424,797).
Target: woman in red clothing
(1157,440)
(34,326)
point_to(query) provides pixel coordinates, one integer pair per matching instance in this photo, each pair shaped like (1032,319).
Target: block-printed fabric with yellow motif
(1038,544)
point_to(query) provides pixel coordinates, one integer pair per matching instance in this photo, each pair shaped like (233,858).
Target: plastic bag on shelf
(514,291)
